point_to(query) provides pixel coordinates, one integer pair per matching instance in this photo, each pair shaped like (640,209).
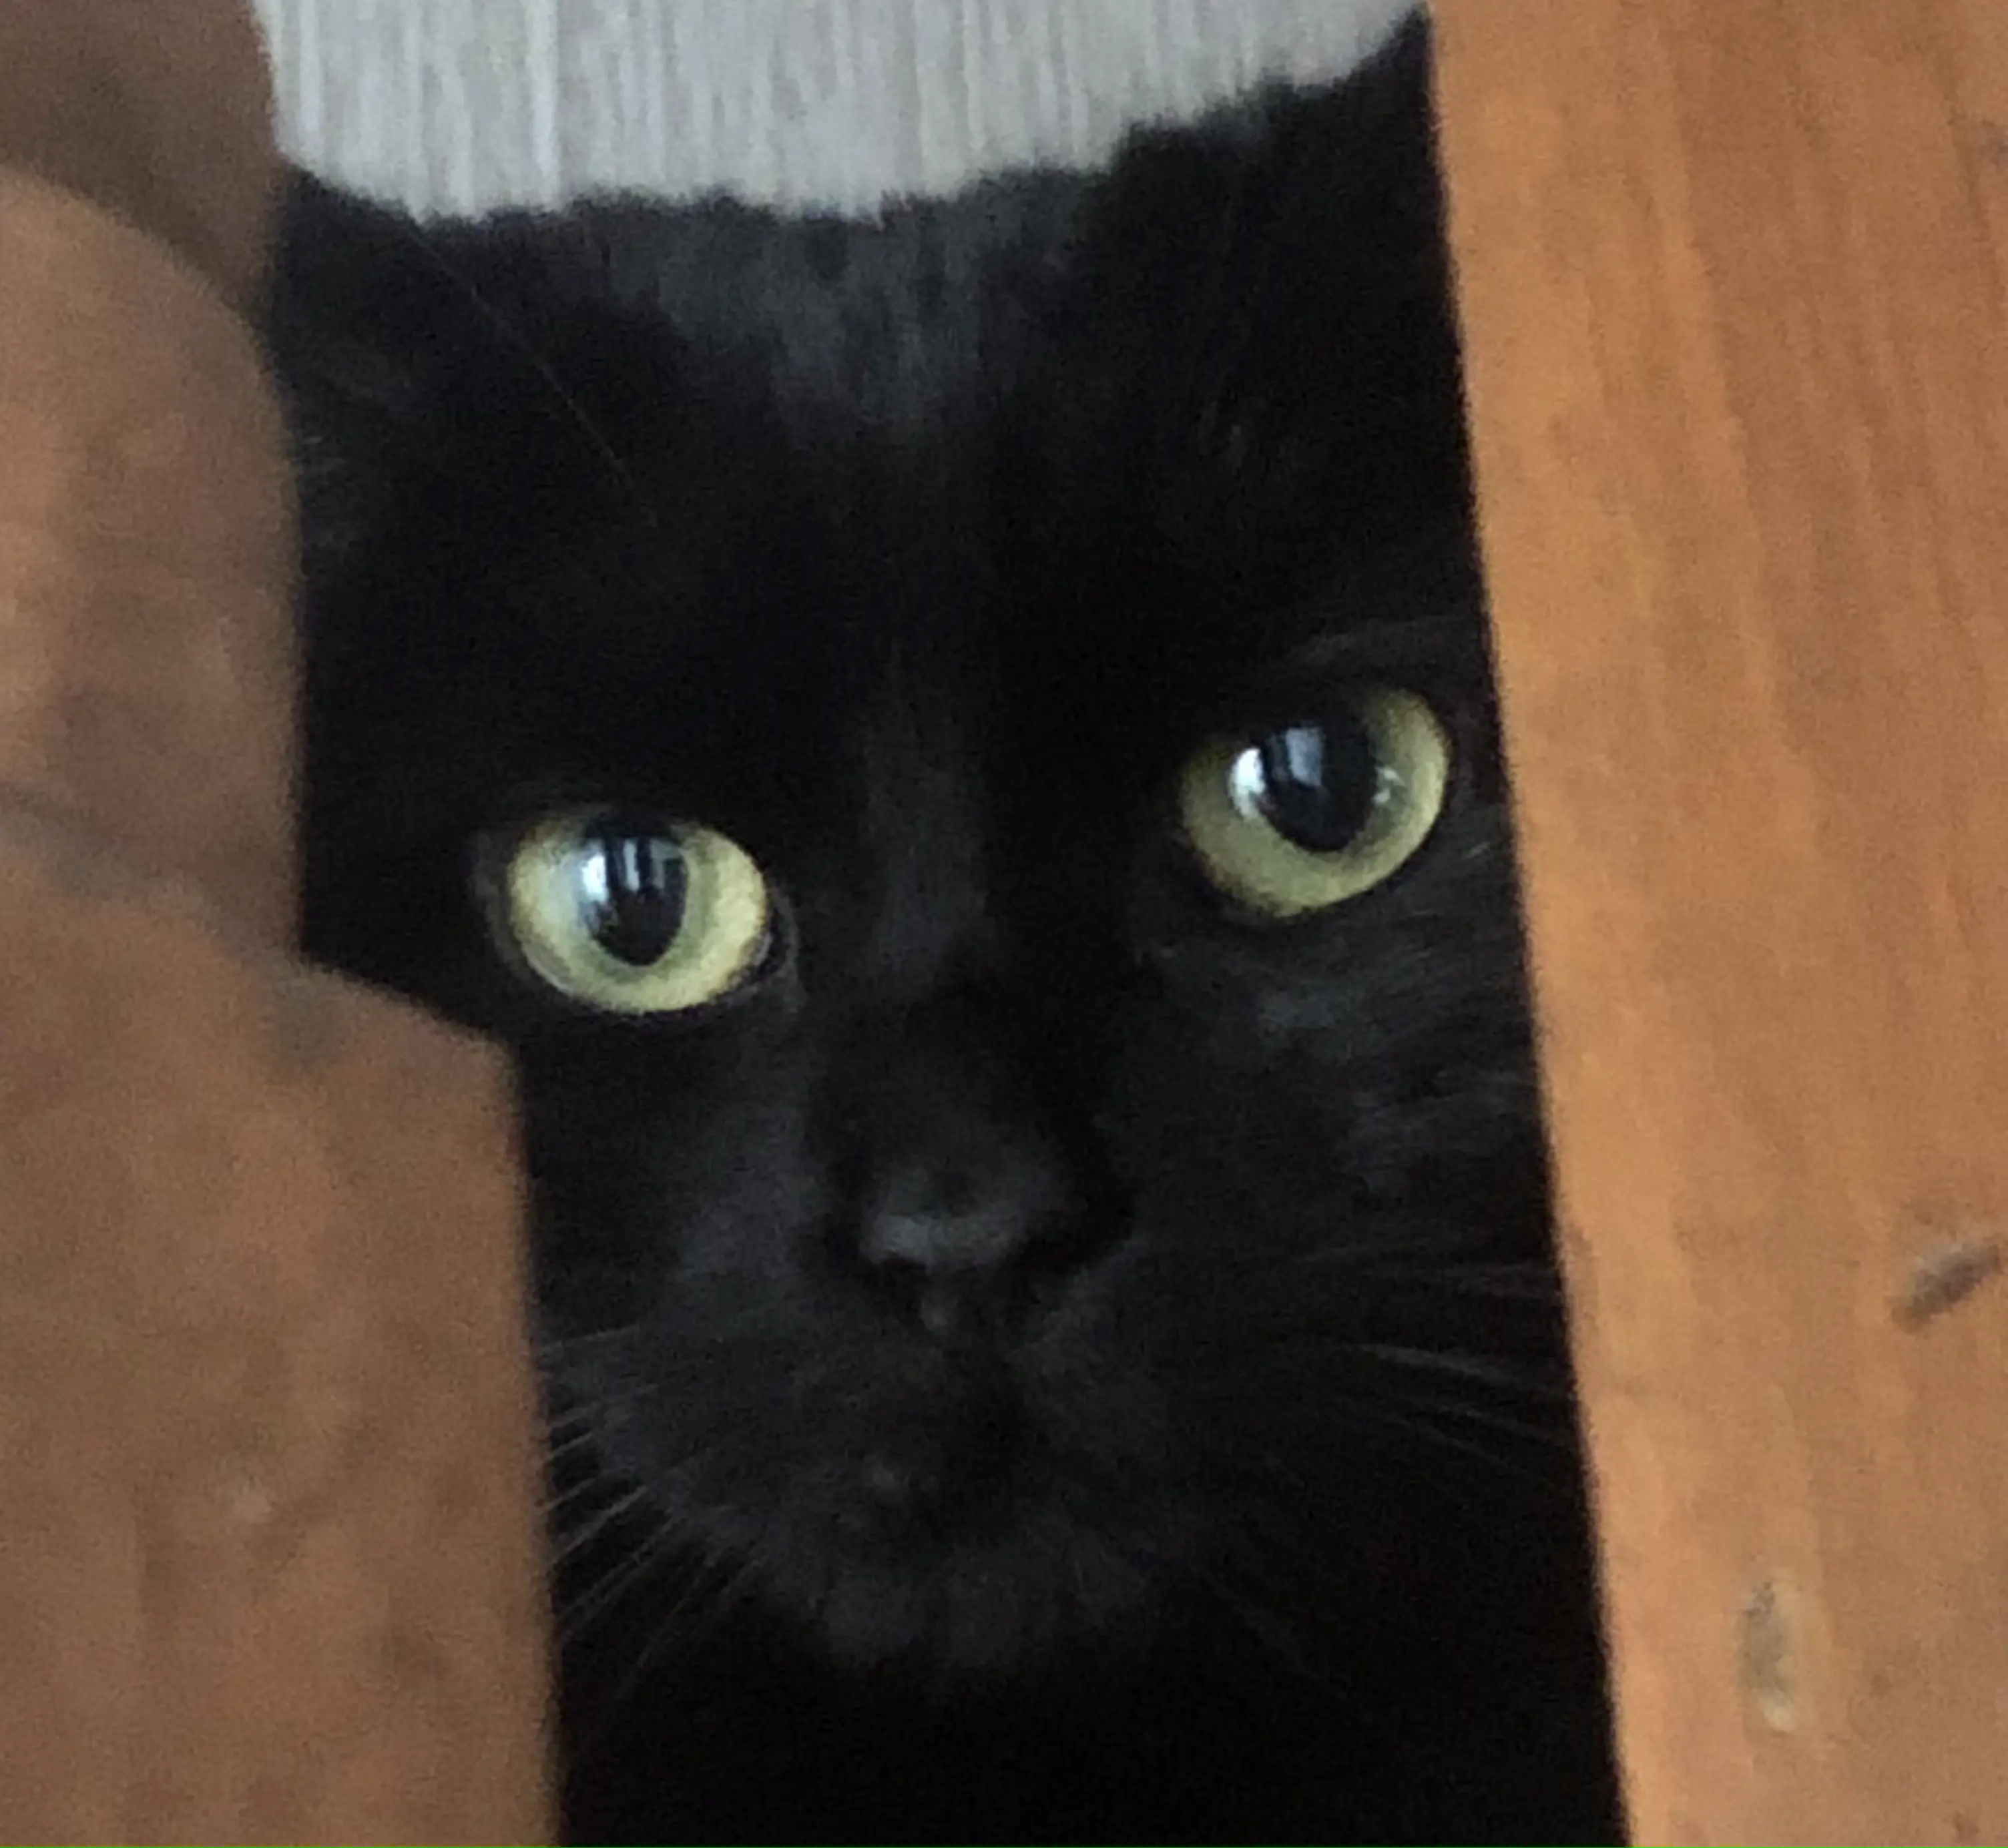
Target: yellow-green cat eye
(633,915)
(1307,816)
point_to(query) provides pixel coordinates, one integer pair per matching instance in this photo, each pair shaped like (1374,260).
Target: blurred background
(460,105)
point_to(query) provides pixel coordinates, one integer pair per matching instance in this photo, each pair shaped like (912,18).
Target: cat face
(958,754)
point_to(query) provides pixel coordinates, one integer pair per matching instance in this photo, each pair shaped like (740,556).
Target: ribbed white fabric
(464,103)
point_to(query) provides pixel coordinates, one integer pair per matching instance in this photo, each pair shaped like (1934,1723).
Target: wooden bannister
(269,1565)
(1732,287)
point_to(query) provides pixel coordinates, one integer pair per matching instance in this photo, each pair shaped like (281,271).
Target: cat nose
(969,1249)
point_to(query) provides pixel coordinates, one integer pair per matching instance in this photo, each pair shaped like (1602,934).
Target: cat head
(959,753)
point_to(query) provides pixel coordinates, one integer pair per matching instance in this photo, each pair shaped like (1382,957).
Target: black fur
(916,554)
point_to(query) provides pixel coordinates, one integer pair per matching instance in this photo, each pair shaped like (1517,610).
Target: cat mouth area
(997,1591)
(958,1537)
(961,1537)
(968,1509)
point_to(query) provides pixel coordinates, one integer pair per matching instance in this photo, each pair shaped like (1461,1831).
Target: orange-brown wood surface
(1733,300)
(146,553)
(269,1567)
(160,112)
(270,1564)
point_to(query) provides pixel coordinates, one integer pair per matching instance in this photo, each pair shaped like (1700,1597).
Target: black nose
(967,1187)
(968,1242)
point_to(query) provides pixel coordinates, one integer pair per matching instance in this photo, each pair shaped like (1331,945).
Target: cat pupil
(1316,785)
(633,887)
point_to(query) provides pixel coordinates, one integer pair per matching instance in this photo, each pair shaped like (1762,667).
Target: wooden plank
(1739,377)
(147,556)
(163,114)
(271,1559)
(271,1567)
(147,543)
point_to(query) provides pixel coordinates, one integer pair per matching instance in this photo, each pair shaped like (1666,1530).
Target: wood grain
(1734,286)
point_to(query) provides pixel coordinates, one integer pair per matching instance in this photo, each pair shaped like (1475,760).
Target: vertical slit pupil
(1319,783)
(634,886)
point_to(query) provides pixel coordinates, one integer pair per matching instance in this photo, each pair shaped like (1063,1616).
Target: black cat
(958,750)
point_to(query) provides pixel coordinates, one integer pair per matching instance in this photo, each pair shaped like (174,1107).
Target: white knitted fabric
(465,104)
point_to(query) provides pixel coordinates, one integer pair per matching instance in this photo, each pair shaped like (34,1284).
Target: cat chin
(986,1613)
(999,1605)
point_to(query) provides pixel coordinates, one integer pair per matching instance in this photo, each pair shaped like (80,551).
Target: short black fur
(1234,1493)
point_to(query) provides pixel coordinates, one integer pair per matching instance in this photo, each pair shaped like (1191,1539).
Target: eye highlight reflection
(1313,814)
(633,914)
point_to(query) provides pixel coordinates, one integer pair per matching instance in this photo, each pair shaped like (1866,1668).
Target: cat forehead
(892,326)
(1097,447)
(757,596)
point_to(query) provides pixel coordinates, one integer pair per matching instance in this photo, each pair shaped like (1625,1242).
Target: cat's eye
(1307,816)
(633,915)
